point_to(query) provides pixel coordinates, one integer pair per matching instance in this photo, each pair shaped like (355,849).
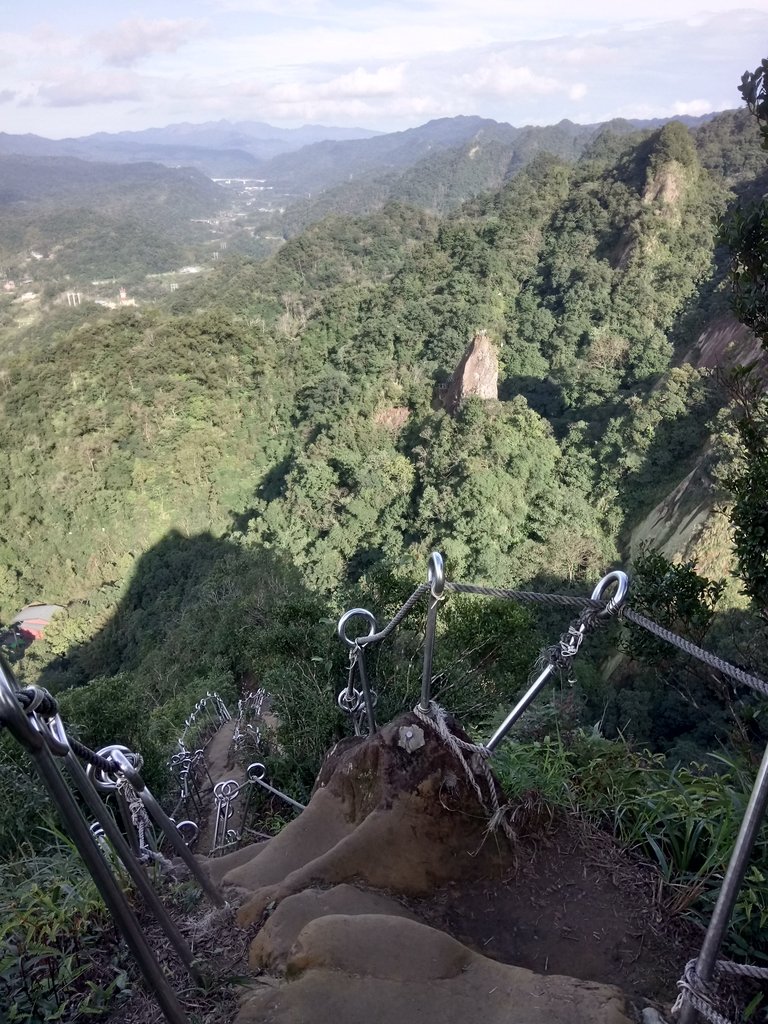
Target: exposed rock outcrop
(666,186)
(391,970)
(405,820)
(476,376)
(724,343)
(391,818)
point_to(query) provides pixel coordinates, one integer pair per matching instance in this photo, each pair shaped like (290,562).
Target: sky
(71,69)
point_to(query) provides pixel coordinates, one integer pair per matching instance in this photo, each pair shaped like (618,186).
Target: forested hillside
(204,484)
(255,399)
(88,219)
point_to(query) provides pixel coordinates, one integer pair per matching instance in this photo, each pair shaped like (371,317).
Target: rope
(86,754)
(753,682)
(35,698)
(702,995)
(524,596)
(437,720)
(568,601)
(138,812)
(397,618)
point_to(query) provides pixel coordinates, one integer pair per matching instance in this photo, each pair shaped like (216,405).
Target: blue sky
(70,69)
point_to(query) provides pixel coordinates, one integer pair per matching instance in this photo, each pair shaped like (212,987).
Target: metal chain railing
(226,795)
(31,716)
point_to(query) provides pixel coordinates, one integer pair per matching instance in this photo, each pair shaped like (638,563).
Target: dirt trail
(579,906)
(219,756)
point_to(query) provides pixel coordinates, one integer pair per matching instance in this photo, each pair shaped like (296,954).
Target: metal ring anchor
(356,646)
(613,604)
(187,826)
(354,613)
(350,704)
(575,635)
(106,782)
(156,813)
(436,575)
(257,773)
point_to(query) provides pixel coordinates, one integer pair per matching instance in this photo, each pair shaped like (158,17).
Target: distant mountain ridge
(218,148)
(329,154)
(100,219)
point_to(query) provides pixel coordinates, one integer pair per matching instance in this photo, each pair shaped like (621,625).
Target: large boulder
(390,970)
(476,376)
(384,812)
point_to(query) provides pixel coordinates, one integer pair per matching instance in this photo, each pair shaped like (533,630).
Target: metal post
(734,876)
(128,825)
(436,577)
(76,827)
(358,643)
(529,696)
(366,687)
(622,585)
(257,773)
(168,828)
(100,811)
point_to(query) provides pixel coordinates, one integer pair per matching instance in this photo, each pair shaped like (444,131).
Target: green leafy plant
(685,820)
(61,960)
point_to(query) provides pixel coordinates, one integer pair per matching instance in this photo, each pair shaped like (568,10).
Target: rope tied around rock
(436,719)
(703,996)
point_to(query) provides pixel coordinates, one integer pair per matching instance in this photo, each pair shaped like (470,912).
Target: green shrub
(685,820)
(60,957)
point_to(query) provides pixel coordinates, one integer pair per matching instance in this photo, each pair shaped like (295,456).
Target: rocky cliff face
(476,376)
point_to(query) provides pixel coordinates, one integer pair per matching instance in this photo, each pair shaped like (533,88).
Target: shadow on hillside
(679,446)
(543,395)
(207,589)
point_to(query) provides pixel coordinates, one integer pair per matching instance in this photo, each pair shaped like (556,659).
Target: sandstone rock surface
(403,820)
(380,814)
(476,376)
(386,970)
(271,948)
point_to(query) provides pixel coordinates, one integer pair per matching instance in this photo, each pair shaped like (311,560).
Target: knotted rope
(436,719)
(702,995)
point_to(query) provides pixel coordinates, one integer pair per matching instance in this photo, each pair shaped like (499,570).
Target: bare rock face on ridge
(390,970)
(390,818)
(405,819)
(476,376)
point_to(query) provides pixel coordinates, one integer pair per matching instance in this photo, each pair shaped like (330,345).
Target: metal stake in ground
(734,876)
(360,661)
(100,811)
(23,729)
(436,580)
(569,647)
(124,767)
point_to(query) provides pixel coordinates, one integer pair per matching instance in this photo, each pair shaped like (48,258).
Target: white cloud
(694,108)
(500,80)
(385,65)
(78,90)
(137,39)
(497,78)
